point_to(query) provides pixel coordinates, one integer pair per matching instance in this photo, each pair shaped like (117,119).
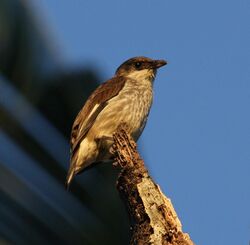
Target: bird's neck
(145,77)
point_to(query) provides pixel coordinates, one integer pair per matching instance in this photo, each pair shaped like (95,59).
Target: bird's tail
(69,177)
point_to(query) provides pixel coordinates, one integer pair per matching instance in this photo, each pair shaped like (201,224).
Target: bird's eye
(138,64)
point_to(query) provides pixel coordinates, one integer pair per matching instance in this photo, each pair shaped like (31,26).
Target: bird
(125,98)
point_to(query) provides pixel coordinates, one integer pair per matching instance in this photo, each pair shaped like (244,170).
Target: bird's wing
(94,105)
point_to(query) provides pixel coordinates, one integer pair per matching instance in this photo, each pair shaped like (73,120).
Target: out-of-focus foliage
(38,102)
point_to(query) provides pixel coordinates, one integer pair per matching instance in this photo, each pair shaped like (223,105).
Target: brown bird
(125,98)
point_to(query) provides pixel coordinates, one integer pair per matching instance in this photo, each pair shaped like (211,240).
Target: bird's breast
(130,106)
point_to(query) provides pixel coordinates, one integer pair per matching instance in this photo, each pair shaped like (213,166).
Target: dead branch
(153,218)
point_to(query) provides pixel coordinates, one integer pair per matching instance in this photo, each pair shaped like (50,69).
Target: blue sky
(196,143)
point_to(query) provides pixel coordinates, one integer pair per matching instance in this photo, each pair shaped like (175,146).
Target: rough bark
(153,218)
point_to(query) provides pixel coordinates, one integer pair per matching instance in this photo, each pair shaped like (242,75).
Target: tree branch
(153,218)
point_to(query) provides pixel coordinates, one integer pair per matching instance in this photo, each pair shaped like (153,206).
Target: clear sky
(196,143)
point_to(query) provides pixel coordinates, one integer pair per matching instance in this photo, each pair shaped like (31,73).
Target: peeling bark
(153,218)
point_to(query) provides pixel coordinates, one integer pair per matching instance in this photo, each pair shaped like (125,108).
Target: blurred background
(196,143)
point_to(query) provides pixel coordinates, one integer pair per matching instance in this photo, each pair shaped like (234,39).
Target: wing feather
(92,108)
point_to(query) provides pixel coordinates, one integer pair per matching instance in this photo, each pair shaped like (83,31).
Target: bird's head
(140,68)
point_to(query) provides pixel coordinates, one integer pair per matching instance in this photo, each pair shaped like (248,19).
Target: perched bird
(125,98)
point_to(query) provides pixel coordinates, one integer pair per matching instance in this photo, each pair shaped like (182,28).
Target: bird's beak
(158,63)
